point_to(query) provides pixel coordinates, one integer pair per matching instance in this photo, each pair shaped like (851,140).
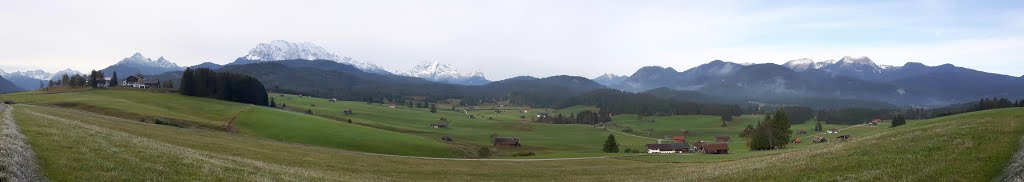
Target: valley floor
(74,145)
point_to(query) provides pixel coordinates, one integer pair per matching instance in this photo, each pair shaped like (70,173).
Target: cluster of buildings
(720,146)
(134,81)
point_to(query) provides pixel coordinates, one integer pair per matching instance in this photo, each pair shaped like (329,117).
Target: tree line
(618,102)
(203,82)
(583,117)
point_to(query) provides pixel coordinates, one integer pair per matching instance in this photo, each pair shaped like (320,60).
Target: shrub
(523,153)
(484,152)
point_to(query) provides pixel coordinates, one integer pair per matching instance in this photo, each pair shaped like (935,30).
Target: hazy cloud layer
(511,38)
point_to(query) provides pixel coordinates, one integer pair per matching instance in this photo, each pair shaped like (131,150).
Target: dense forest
(619,102)
(584,117)
(203,82)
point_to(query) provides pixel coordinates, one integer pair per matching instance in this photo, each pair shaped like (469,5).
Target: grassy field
(75,146)
(250,120)
(546,140)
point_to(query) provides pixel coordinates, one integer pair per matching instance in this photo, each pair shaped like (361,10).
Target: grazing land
(78,145)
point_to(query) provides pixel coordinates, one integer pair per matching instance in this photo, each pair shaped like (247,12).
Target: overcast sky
(510,38)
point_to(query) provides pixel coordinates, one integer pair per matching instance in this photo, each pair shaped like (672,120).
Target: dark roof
(716,146)
(674,146)
(150,82)
(505,139)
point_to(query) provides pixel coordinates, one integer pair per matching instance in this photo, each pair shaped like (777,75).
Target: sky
(512,38)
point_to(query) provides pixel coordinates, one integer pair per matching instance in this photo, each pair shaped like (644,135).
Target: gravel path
(17,161)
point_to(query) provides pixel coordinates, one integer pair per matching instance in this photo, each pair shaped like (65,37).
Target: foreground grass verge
(75,146)
(17,160)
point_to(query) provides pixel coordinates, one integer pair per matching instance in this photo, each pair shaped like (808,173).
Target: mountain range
(138,64)
(847,82)
(7,87)
(31,80)
(444,73)
(849,78)
(279,50)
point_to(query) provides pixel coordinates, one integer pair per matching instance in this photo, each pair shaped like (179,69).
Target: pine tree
(113,80)
(610,145)
(187,82)
(898,121)
(723,124)
(817,127)
(747,132)
(272,103)
(433,108)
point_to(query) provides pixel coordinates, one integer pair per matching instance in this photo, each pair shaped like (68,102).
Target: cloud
(511,38)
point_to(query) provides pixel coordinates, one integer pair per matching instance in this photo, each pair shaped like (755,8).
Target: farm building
(137,81)
(832,131)
(699,146)
(506,141)
(874,122)
(439,125)
(796,141)
(155,83)
(668,148)
(679,139)
(542,115)
(723,138)
(819,140)
(843,138)
(716,148)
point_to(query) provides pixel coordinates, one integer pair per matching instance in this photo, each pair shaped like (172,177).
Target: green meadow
(74,145)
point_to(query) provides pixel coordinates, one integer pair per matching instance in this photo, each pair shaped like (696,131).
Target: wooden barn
(668,148)
(716,148)
(506,141)
(818,139)
(679,139)
(723,138)
(843,137)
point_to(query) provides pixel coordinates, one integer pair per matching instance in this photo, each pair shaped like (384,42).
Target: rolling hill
(76,145)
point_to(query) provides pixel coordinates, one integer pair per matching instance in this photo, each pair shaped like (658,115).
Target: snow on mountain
(801,64)
(69,72)
(138,64)
(435,71)
(34,74)
(138,60)
(609,79)
(283,50)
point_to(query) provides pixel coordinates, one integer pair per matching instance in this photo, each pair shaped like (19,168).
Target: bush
(627,130)
(523,153)
(484,152)
(10,102)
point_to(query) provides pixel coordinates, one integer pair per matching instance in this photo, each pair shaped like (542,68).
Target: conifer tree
(610,145)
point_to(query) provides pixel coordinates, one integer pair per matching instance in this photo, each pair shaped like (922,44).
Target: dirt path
(230,125)
(1015,170)
(854,126)
(17,160)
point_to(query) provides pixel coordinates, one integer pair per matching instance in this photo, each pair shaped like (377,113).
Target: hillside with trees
(203,82)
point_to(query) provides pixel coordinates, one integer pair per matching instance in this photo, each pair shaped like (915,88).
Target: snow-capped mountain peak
(863,60)
(69,71)
(283,50)
(435,71)
(138,60)
(801,64)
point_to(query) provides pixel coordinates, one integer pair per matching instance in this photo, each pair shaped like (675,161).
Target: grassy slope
(252,120)
(547,140)
(967,147)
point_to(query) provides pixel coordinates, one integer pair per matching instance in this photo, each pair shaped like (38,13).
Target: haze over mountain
(444,73)
(8,87)
(31,79)
(857,78)
(279,50)
(609,79)
(138,64)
